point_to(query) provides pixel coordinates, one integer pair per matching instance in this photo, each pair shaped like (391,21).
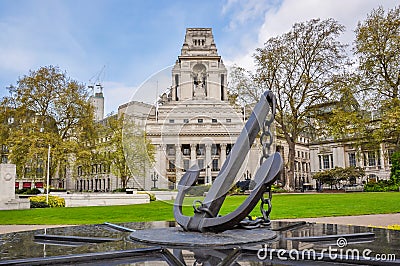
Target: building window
(352,159)
(186,150)
(200,149)
(171,165)
(171,121)
(4,148)
(228,120)
(186,164)
(371,158)
(200,120)
(325,161)
(214,120)
(215,165)
(200,163)
(214,149)
(228,148)
(80,171)
(105,167)
(170,149)
(185,121)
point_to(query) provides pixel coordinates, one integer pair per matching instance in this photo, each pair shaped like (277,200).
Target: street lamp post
(48,176)
(207,174)
(247,175)
(154,178)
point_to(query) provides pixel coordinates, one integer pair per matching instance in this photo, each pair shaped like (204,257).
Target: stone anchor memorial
(206,218)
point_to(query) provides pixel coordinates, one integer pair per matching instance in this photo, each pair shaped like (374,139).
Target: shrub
(198,191)
(38,204)
(21,191)
(277,189)
(381,186)
(243,185)
(54,201)
(120,190)
(28,191)
(58,190)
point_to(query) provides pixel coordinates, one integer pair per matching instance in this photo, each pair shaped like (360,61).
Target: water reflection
(290,236)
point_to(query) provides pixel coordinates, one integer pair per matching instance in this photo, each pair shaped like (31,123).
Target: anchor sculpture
(206,218)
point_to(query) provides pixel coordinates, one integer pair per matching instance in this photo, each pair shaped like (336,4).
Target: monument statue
(199,82)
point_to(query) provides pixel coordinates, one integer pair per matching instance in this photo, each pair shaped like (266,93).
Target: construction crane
(96,80)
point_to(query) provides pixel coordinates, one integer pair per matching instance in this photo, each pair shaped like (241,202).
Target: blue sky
(134,39)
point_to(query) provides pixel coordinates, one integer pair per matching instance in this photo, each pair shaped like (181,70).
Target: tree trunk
(123,181)
(289,177)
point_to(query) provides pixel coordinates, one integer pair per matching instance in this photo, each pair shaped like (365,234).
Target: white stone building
(194,123)
(329,154)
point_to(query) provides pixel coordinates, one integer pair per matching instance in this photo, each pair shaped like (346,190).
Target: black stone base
(176,237)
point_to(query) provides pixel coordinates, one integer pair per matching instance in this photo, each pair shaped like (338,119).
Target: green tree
(377,49)
(334,176)
(131,152)
(300,67)
(46,108)
(395,169)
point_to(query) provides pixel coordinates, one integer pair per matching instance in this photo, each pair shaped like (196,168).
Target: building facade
(330,154)
(193,122)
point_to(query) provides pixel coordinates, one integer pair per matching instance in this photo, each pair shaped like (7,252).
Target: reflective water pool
(294,244)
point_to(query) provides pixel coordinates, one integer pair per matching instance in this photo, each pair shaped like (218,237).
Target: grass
(284,206)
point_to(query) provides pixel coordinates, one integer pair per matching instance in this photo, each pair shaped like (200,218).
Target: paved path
(363,220)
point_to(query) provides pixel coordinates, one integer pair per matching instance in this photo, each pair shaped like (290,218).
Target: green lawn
(284,206)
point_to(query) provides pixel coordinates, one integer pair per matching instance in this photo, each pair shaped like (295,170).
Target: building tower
(97,100)
(199,71)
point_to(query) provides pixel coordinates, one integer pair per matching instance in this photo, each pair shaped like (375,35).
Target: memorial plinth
(8,201)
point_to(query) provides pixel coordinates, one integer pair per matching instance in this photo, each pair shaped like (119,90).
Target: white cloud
(35,37)
(243,11)
(280,18)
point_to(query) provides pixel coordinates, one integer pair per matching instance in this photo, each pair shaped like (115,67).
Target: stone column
(192,154)
(223,153)
(314,160)
(208,164)
(338,156)
(178,163)
(163,179)
(382,156)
